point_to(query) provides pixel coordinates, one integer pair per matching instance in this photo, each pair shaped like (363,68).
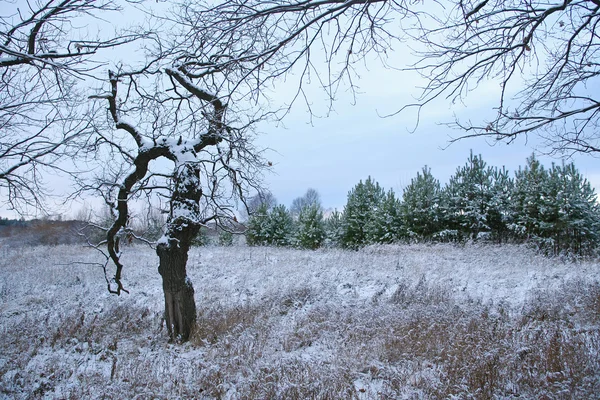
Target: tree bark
(180,306)
(183,225)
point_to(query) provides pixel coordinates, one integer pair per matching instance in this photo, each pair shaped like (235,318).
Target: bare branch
(42,68)
(544,55)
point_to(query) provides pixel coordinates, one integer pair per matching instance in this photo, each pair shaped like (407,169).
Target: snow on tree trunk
(182,227)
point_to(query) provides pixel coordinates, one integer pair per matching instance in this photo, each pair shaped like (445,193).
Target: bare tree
(310,198)
(544,55)
(44,56)
(263,197)
(166,111)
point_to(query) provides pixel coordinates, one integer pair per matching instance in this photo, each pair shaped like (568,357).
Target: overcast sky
(331,154)
(354,142)
(335,153)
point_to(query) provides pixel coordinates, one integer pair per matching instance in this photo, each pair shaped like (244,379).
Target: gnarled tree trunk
(183,225)
(180,308)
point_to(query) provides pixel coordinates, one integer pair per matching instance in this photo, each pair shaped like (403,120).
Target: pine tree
(334,229)
(280,227)
(310,232)
(469,194)
(257,231)
(550,222)
(450,226)
(569,213)
(555,209)
(364,202)
(583,213)
(529,187)
(499,215)
(420,206)
(386,225)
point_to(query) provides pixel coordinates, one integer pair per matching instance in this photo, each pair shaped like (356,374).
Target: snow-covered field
(385,322)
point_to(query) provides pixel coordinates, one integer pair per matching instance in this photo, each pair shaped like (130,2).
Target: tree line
(554,209)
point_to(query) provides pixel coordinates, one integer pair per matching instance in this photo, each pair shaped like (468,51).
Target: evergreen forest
(554,209)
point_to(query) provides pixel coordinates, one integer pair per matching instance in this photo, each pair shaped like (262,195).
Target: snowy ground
(384,322)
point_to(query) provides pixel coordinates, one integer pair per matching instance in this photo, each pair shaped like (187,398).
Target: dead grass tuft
(219,321)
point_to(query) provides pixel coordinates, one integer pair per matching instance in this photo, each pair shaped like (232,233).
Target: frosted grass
(385,322)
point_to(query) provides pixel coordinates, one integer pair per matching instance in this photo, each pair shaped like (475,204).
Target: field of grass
(386,322)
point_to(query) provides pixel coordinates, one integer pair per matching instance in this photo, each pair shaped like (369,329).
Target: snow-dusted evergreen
(280,227)
(578,229)
(334,229)
(310,228)
(385,225)
(499,216)
(468,199)
(270,227)
(421,206)
(556,210)
(528,194)
(364,203)
(257,231)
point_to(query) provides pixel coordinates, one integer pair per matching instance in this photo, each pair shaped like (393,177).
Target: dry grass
(313,338)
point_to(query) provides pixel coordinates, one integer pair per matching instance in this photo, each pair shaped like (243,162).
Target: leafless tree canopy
(258,43)
(544,54)
(44,53)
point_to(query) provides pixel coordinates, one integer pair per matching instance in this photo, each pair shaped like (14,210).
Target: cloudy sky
(333,153)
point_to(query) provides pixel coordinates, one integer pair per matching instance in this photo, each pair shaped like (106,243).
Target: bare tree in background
(44,54)
(310,198)
(544,55)
(263,197)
